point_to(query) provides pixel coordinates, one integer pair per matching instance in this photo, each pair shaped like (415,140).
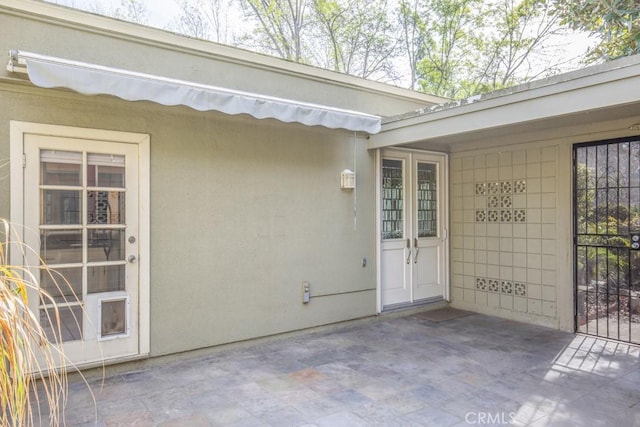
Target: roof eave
(48,12)
(605,85)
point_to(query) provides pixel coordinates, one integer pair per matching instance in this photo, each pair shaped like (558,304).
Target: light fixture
(348,179)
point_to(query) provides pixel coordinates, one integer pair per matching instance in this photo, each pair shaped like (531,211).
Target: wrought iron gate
(607,238)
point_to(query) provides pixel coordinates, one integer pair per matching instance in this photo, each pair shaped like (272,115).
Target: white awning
(91,79)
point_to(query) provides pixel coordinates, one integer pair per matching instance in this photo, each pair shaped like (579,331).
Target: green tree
(359,37)
(466,47)
(281,26)
(513,36)
(205,19)
(412,35)
(616,23)
(447,44)
(132,11)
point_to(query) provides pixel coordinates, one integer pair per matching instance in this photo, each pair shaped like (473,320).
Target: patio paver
(403,371)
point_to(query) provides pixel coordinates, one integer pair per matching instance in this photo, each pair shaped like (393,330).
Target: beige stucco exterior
(241,214)
(243,211)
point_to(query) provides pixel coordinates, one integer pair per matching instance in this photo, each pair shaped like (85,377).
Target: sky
(161,12)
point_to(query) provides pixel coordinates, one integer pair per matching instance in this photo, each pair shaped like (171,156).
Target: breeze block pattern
(503,230)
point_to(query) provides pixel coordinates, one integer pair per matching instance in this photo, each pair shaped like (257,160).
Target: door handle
(415,245)
(131,259)
(409,251)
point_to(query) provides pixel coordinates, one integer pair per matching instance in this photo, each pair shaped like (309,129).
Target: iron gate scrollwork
(606,225)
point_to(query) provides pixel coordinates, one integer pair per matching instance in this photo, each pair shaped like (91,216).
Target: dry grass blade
(33,367)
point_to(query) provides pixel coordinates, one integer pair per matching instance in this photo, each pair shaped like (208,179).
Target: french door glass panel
(392,199)
(427,199)
(71,251)
(412,249)
(80,199)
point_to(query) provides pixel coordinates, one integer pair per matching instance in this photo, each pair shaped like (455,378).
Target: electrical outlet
(306,292)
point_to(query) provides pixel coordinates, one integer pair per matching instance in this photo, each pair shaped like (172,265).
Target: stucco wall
(242,212)
(510,228)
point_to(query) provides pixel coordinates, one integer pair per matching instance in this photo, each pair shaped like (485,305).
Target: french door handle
(409,251)
(415,245)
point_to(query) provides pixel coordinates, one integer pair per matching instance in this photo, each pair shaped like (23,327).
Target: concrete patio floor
(392,371)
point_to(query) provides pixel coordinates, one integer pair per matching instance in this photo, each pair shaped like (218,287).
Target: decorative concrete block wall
(503,232)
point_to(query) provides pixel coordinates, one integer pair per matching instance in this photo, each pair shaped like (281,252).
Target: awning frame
(92,79)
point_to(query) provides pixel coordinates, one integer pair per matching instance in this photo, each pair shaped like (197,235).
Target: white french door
(413,227)
(81,214)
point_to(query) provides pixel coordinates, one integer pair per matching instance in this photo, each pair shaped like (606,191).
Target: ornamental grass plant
(33,379)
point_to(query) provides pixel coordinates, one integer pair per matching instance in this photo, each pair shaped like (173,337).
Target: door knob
(131,259)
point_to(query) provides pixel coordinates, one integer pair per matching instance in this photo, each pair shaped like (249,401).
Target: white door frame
(444,190)
(18,130)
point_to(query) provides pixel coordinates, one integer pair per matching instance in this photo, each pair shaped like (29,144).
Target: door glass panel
(105,245)
(70,326)
(62,284)
(60,207)
(427,197)
(105,207)
(60,168)
(79,205)
(105,278)
(61,246)
(113,317)
(105,170)
(392,199)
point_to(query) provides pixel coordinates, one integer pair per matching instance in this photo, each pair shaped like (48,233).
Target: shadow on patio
(401,371)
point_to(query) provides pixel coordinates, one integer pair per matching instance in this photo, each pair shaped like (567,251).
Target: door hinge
(24,160)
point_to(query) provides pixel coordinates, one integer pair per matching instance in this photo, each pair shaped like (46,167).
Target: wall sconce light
(348,179)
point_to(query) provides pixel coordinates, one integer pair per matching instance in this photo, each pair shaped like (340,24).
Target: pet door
(114,317)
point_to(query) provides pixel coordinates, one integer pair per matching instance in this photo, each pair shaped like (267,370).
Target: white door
(81,201)
(413,226)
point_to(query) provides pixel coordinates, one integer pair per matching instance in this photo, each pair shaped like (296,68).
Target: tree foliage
(448,44)
(281,26)
(412,33)
(450,48)
(459,48)
(521,30)
(359,37)
(616,23)
(132,11)
(205,19)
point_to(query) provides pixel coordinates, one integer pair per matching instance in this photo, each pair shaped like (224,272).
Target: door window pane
(105,207)
(62,284)
(105,278)
(60,168)
(113,317)
(392,199)
(61,246)
(105,245)
(105,170)
(427,197)
(60,207)
(69,328)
